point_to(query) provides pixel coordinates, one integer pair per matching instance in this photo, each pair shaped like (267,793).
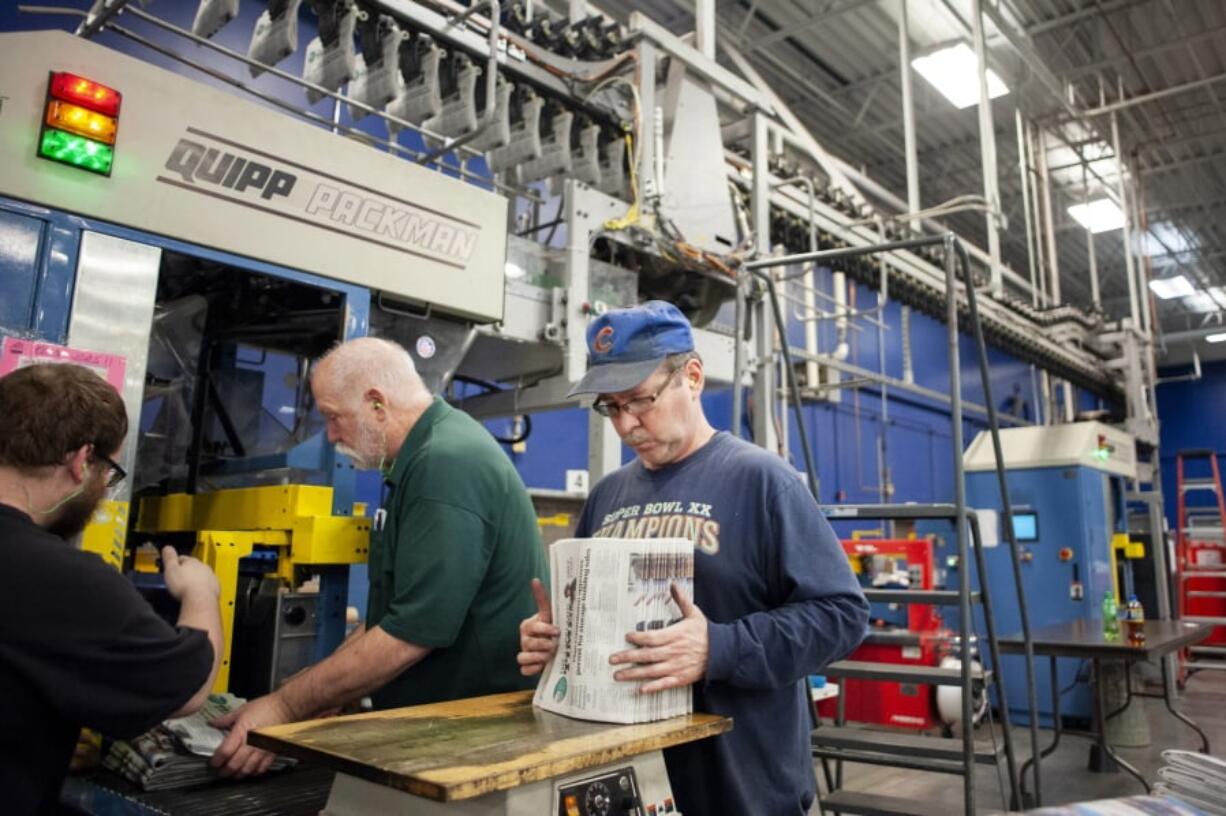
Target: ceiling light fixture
(1167,288)
(954,71)
(1220,337)
(1200,302)
(1101,215)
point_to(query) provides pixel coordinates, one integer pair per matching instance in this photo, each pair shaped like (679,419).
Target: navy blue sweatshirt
(781,602)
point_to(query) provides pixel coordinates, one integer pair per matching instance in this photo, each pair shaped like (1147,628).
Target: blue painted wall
(1192,415)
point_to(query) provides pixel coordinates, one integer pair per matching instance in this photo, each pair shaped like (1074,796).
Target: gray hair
(674,362)
(353,367)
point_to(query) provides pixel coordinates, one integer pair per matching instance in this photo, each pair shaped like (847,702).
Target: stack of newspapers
(603,589)
(175,754)
(1198,779)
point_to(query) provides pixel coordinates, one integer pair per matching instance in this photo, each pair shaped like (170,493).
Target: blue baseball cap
(625,345)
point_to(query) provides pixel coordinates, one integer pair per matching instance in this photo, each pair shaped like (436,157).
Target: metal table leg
(1167,697)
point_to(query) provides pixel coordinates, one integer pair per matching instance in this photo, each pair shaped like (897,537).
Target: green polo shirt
(452,567)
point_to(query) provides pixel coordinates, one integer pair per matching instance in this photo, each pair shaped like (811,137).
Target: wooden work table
(467,748)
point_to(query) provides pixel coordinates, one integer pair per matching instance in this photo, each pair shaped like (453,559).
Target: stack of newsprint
(1198,779)
(602,589)
(175,754)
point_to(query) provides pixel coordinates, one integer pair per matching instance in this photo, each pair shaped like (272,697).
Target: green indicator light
(77,151)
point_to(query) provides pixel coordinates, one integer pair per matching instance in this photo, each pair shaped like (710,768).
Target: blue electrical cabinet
(1066,489)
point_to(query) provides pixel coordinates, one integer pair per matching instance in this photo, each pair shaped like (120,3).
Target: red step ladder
(1201,556)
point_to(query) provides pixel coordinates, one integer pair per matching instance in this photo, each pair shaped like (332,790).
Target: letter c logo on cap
(603,341)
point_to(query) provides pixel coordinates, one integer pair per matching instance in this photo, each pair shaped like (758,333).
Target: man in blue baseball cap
(626,345)
(774,596)
(634,357)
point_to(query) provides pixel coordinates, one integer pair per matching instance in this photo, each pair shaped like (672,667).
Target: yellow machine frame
(106,532)
(229,524)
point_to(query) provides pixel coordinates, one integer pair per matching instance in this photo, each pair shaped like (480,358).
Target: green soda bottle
(1111,617)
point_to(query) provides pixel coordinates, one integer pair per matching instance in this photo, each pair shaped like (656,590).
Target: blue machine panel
(1061,508)
(1025,526)
(20,238)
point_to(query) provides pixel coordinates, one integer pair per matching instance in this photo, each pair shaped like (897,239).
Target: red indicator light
(86,93)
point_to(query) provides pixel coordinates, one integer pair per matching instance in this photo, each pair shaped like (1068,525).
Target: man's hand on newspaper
(538,637)
(673,656)
(235,758)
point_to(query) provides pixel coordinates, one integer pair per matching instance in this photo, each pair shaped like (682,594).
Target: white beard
(359,461)
(371,455)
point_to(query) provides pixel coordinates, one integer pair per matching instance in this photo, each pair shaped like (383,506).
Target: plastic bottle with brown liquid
(1134,621)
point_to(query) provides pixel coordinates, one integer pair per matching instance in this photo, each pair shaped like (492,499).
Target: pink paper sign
(16,352)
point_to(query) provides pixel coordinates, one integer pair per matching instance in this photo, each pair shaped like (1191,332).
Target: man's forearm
(372,660)
(200,610)
(351,638)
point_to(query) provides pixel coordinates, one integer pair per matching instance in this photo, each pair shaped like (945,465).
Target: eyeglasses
(635,407)
(118,474)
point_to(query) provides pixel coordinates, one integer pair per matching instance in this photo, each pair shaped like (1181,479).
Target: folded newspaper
(601,590)
(175,754)
(1198,779)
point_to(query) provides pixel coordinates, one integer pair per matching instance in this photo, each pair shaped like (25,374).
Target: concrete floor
(1065,777)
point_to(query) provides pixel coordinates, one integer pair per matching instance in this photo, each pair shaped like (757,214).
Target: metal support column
(704,27)
(987,148)
(1024,170)
(1045,395)
(1139,228)
(1139,247)
(1129,267)
(1095,297)
(908,114)
(741,322)
(1156,520)
(577,284)
(809,281)
(764,433)
(645,79)
(1036,203)
(1049,227)
(586,210)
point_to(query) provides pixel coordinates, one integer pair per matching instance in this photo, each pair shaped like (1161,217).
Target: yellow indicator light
(76,119)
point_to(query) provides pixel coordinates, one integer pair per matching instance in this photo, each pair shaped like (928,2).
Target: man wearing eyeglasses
(79,646)
(774,596)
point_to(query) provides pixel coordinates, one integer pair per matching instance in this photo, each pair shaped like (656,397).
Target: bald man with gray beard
(447,566)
